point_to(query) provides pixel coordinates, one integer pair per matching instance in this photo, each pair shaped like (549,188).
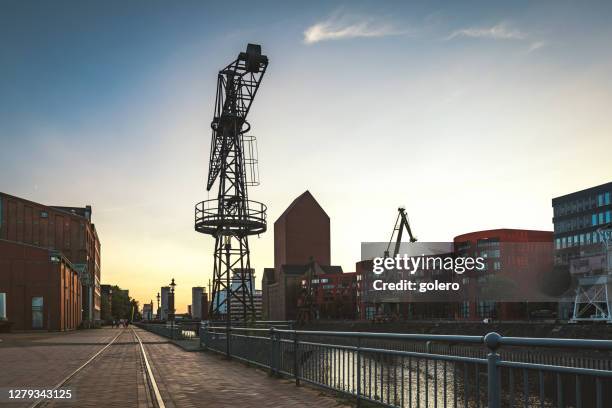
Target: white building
(147,311)
(196,302)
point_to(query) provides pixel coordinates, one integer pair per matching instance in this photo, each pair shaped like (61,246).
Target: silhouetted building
(197,294)
(301,235)
(165,292)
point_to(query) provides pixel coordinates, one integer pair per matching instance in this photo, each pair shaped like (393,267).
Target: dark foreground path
(117,377)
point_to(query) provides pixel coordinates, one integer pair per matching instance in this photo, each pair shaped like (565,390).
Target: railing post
(491,340)
(228,342)
(296,366)
(359,371)
(203,335)
(272,371)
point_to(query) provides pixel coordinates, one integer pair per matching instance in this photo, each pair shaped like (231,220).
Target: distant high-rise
(196,302)
(165,291)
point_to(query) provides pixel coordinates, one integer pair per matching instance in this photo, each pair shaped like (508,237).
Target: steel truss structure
(593,300)
(231,218)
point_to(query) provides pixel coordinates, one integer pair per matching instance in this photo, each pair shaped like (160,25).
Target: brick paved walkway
(195,379)
(116,377)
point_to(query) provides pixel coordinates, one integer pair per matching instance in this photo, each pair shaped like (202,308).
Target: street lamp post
(158,310)
(171,310)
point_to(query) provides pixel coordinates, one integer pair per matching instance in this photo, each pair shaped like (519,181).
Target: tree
(120,303)
(136,312)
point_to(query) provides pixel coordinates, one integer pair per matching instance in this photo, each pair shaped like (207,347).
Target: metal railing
(379,367)
(174,332)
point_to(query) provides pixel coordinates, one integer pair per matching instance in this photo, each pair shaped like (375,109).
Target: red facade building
(517,264)
(67,230)
(301,238)
(41,287)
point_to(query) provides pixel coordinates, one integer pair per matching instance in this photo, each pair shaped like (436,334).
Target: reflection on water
(405,381)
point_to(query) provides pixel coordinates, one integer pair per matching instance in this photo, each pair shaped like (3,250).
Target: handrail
(351,367)
(444,338)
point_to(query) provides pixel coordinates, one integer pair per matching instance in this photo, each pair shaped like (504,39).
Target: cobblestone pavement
(195,379)
(116,378)
(41,360)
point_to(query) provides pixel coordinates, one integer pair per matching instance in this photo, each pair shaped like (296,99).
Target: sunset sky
(471,114)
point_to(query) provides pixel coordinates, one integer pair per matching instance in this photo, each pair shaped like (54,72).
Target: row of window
(488,243)
(492,253)
(485,309)
(577,240)
(582,204)
(601,218)
(583,221)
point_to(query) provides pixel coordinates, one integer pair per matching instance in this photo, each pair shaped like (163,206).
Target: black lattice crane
(401,223)
(232,217)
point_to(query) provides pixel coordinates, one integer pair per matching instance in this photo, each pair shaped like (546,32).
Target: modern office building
(237,309)
(582,223)
(577,217)
(165,292)
(68,230)
(39,288)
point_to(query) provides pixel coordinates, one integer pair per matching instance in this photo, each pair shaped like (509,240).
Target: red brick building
(301,235)
(335,295)
(68,230)
(517,262)
(41,288)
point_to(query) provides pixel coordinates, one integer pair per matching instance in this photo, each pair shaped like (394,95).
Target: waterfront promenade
(118,376)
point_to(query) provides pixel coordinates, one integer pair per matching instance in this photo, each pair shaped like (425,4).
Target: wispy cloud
(345,27)
(499,31)
(536,45)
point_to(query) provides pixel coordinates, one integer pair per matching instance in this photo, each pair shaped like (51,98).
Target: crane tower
(231,218)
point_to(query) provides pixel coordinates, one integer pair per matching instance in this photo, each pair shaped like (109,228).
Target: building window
(594,219)
(37,312)
(3,306)
(497,265)
(601,218)
(44,214)
(608,216)
(558,243)
(607,199)
(486,309)
(464,310)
